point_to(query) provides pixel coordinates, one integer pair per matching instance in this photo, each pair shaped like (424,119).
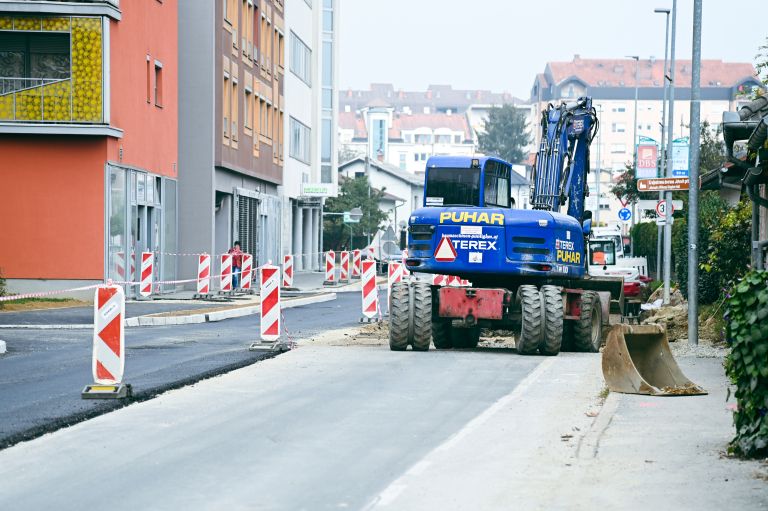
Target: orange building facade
(88,141)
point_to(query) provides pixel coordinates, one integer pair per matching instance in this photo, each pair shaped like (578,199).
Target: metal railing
(50,100)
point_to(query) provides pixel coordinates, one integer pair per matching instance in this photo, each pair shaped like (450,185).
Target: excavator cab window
(496,189)
(452,187)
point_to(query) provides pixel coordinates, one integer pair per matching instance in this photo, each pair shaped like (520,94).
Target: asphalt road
(317,428)
(84,315)
(44,371)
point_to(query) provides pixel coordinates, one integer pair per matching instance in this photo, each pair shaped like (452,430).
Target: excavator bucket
(637,360)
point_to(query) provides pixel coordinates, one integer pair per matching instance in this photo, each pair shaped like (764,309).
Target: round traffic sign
(661,208)
(625,214)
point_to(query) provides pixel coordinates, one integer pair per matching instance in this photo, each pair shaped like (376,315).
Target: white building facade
(311,88)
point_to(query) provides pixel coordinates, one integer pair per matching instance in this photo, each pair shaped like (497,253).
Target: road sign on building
(662,184)
(647,155)
(625,214)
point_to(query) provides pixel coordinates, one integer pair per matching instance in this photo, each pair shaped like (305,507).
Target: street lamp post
(670,138)
(664,146)
(634,149)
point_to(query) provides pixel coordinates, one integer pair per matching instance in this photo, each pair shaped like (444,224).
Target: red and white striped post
(330,267)
(394,275)
(120,265)
(344,274)
(246,275)
(147,272)
(203,274)
(270,303)
(288,271)
(439,280)
(370,290)
(108,362)
(369,254)
(226,272)
(356,263)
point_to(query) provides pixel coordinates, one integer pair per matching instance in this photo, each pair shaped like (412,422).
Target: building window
(158,84)
(262,117)
(149,79)
(415,156)
(423,139)
(299,144)
(618,127)
(402,161)
(227,106)
(619,109)
(301,59)
(248,110)
(618,148)
(407,138)
(442,139)
(235,110)
(457,139)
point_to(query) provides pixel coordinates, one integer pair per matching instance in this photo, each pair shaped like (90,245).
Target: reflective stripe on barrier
(147,272)
(203,274)
(226,272)
(270,303)
(247,272)
(330,266)
(344,272)
(370,291)
(356,263)
(288,271)
(108,334)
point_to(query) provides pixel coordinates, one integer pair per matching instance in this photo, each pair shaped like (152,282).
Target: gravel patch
(704,349)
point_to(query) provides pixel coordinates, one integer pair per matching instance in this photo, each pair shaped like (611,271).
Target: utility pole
(693,175)
(670,138)
(634,152)
(599,169)
(664,147)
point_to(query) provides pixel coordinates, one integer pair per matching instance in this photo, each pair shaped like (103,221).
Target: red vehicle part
(631,289)
(472,304)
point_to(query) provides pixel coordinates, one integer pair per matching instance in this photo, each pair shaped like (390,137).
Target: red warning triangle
(445,253)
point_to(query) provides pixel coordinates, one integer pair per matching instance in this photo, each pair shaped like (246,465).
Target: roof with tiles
(621,72)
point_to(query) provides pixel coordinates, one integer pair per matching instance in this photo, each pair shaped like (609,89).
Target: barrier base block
(366,319)
(278,346)
(95,391)
(330,283)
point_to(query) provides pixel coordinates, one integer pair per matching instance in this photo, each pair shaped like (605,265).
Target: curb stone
(190,319)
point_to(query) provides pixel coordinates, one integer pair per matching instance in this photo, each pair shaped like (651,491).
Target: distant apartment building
(88,140)
(611,84)
(231,136)
(311,88)
(405,128)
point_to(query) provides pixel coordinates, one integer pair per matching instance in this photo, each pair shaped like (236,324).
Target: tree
(346,154)
(353,193)
(761,63)
(505,134)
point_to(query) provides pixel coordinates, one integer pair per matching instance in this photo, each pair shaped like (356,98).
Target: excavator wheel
(442,331)
(399,316)
(421,306)
(588,329)
(466,337)
(552,332)
(529,335)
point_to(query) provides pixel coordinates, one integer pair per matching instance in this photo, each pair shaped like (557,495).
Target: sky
(500,45)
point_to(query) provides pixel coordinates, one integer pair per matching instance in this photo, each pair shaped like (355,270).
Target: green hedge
(747,365)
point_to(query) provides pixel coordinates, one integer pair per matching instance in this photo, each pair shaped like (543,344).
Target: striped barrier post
(147,272)
(108,362)
(370,291)
(120,265)
(356,263)
(246,272)
(288,271)
(330,268)
(203,274)
(369,253)
(226,273)
(344,273)
(394,275)
(270,303)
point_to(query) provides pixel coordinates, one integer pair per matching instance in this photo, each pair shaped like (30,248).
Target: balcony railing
(50,100)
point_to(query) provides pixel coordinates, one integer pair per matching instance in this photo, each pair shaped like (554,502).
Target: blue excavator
(527,267)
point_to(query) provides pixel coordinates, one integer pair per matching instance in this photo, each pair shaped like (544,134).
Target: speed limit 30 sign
(661,208)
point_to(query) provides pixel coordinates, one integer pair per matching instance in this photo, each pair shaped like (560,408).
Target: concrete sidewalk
(639,453)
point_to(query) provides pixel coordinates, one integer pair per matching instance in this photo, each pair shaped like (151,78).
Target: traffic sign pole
(693,172)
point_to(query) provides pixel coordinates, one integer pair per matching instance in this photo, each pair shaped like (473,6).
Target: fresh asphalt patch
(44,371)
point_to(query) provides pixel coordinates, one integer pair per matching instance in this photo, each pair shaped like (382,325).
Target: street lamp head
(660,10)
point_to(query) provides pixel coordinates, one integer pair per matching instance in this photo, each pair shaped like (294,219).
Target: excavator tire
(399,317)
(588,329)
(442,333)
(421,306)
(529,335)
(552,334)
(466,338)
